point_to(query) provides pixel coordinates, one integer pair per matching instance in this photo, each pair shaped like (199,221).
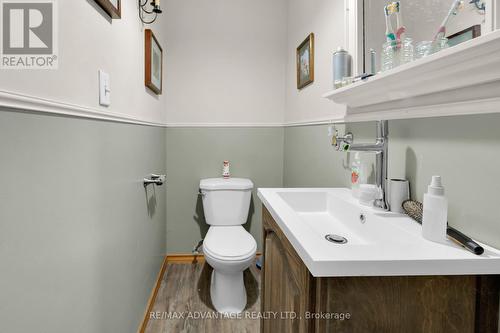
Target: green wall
(81,241)
(309,159)
(197,153)
(464,150)
(80,238)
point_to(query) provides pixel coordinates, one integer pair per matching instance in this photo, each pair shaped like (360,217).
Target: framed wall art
(305,62)
(112,7)
(153,63)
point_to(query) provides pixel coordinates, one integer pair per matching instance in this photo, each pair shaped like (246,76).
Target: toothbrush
(455,7)
(389,32)
(400,31)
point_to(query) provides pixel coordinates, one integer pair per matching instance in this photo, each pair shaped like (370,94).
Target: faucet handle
(342,143)
(348,138)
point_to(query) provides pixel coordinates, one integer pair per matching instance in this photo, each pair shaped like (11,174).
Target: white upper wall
(325,18)
(225,62)
(89,41)
(228,62)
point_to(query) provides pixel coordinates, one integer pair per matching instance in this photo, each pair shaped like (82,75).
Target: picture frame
(153,63)
(112,7)
(305,62)
(464,35)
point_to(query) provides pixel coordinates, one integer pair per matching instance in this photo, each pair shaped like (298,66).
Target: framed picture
(305,62)
(464,35)
(154,63)
(112,7)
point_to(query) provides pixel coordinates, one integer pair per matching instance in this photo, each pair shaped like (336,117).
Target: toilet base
(227,291)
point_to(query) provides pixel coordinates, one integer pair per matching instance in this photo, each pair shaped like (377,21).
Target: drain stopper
(336,239)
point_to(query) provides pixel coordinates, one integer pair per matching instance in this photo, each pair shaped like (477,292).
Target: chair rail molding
(22,102)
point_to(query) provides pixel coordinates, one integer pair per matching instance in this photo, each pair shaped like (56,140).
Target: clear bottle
(435,217)
(356,175)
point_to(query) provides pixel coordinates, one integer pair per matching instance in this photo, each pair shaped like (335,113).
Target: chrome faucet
(380,148)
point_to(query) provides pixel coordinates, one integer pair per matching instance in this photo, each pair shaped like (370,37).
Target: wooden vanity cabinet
(287,287)
(427,304)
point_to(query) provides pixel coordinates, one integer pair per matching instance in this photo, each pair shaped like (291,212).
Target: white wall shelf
(464,79)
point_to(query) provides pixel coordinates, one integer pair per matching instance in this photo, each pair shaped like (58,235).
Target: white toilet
(228,247)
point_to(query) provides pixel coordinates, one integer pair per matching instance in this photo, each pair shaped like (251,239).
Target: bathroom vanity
(381,276)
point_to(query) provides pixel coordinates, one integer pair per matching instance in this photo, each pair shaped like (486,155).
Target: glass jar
(440,44)
(428,47)
(424,49)
(347,80)
(388,57)
(406,53)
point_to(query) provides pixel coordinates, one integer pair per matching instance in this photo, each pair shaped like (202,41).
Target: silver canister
(373,65)
(342,67)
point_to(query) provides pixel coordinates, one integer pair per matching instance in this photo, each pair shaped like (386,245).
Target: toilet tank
(226,201)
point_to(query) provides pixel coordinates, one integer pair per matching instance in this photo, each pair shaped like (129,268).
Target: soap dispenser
(435,215)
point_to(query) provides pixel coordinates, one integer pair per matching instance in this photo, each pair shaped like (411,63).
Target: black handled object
(415,209)
(465,241)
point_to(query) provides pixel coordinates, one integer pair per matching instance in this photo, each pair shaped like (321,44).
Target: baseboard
(169,259)
(185,258)
(190,258)
(152,297)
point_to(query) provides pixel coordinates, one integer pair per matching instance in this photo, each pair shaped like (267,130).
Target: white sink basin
(378,243)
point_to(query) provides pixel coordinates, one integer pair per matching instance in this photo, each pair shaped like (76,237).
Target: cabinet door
(287,284)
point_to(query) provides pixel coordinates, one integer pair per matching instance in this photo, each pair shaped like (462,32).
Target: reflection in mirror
(402,31)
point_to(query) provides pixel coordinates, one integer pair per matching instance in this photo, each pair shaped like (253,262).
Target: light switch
(104,89)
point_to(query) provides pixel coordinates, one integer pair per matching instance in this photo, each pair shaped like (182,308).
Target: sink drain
(336,239)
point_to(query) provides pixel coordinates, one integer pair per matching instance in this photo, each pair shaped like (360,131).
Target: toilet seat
(229,243)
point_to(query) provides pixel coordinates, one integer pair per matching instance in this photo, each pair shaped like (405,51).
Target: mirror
(422,20)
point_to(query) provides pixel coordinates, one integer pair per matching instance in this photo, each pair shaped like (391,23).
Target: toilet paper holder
(155,179)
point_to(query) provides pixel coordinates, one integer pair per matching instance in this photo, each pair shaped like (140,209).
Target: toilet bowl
(229,249)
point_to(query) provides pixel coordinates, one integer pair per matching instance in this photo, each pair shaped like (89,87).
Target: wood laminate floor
(184,297)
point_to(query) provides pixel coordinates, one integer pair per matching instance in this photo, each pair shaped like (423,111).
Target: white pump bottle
(435,217)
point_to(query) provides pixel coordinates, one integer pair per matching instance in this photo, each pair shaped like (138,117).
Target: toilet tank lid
(226,184)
